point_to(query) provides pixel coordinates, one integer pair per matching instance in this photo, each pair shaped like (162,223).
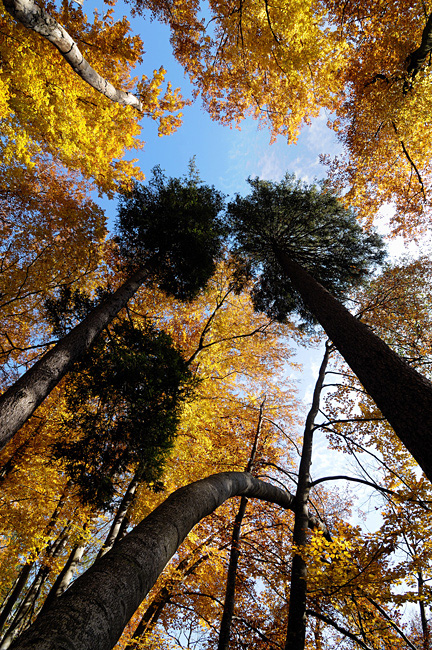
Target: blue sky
(225,157)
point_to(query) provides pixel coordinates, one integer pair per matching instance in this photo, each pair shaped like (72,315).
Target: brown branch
(413,165)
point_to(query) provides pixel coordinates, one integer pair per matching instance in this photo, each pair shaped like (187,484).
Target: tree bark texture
(33,17)
(403,395)
(93,612)
(20,401)
(297,619)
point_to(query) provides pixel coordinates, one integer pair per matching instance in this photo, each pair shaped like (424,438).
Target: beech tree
(95,609)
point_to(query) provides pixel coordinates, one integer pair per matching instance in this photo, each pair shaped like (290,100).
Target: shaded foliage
(124,401)
(308,223)
(69,307)
(172,227)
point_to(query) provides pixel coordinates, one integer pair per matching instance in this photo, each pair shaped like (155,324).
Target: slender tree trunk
(402,394)
(93,612)
(423,617)
(229,602)
(29,14)
(65,576)
(297,604)
(16,593)
(26,569)
(120,515)
(28,604)
(20,401)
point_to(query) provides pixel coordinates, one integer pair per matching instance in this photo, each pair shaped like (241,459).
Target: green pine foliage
(173,227)
(308,223)
(123,406)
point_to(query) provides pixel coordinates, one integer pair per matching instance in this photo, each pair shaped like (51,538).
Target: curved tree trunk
(20,401)
(297,604)
(402,394)
(93,612)
(29,14)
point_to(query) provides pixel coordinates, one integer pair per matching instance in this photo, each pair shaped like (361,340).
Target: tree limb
(342,630)
(33,17)
(417,59)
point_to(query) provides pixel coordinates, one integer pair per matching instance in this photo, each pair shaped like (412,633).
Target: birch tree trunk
(33,17)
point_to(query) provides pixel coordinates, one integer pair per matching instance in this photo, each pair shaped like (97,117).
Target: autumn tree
(235,353)
(179,254)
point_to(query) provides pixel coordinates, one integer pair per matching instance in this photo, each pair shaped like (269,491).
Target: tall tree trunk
(20,401)
(297,604)
(402,394)
(93,612)
(229,602)
(120,515)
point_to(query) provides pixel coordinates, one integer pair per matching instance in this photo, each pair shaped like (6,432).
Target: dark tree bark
(33,17)
(20,401)
(296,633)
(403,395)
(417,59)
(229,602)
(93,612)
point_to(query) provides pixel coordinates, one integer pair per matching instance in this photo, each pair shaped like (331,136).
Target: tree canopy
(149,372)
(311,225)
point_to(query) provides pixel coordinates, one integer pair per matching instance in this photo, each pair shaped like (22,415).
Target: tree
(235,354)
(164,256)
(54,117)
(391,382)
(99,604)
(366,64)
